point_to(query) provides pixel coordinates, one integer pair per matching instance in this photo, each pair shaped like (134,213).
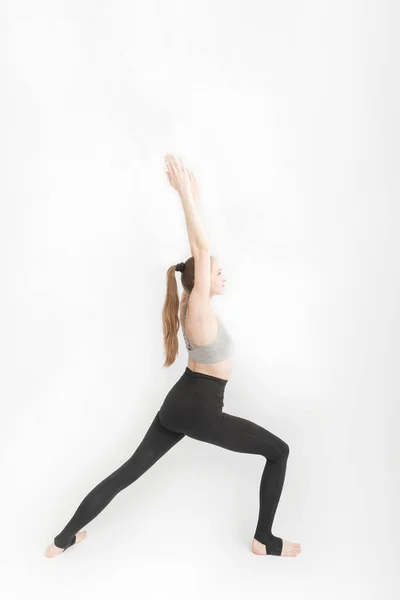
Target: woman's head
(217,280)
(170,313)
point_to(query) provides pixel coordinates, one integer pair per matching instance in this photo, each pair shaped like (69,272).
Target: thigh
(157,441)
(239,435)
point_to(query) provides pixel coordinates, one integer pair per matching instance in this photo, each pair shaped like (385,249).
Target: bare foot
(53,550)
(288,548)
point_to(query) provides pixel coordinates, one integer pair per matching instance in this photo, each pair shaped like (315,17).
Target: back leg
(157,441)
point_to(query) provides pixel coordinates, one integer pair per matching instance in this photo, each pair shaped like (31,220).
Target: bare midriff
(222,369)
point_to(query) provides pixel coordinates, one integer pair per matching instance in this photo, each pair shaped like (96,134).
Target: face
(217,279)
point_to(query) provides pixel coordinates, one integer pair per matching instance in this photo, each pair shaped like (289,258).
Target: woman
(193,407)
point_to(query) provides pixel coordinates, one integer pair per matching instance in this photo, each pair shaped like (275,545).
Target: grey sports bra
(220,349)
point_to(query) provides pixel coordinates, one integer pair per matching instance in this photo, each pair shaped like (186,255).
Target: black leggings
(193,407)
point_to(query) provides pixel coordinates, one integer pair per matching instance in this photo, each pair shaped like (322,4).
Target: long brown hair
(170,311)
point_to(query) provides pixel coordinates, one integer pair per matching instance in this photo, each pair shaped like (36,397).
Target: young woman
(194,405)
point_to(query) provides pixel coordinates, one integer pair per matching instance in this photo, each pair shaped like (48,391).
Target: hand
(179,176)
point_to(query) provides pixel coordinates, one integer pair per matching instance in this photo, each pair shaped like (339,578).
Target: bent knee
(284,447)
(278,451)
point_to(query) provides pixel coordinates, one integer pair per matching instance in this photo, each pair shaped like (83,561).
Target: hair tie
(180,267)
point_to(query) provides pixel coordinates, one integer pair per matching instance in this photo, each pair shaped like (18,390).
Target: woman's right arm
(184,183)
(196,233)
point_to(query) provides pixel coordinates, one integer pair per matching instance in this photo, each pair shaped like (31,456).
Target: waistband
(191,373)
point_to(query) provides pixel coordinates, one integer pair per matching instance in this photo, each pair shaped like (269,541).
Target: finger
(169,159)
(173,164)
(183,166)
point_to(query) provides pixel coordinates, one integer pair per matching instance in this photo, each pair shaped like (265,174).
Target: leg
(240,435)
(157,441)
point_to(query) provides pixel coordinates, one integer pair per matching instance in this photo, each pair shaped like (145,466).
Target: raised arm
(184,182)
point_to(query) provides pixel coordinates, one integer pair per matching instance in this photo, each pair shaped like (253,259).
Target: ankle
(258,547)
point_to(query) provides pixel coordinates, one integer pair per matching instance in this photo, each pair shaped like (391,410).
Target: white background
(287,112)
